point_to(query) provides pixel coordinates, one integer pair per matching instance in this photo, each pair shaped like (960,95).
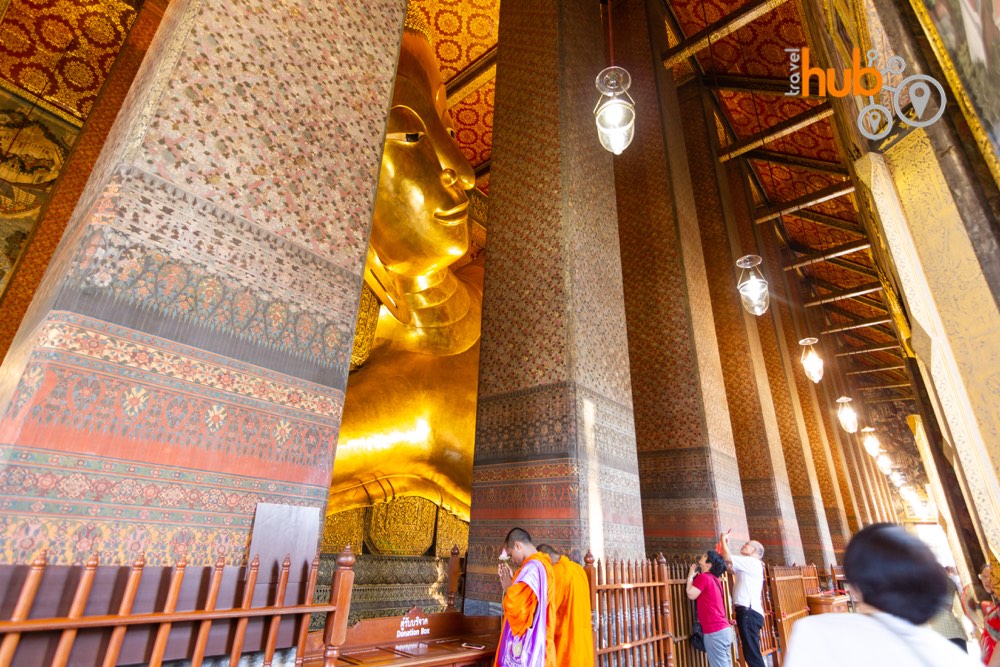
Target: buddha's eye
(405,126)
(413,137)
(452,133)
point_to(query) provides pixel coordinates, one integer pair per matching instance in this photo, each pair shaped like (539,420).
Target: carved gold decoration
(58,52)
(451,531)
(409,413)
(343,528)
(401,527)
(958,89)
(364,331)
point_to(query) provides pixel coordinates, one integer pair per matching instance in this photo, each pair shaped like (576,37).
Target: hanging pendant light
(846,415)
(615,110)
(812,363)
(897,479)
(871,443)
(884,463)
(752,286)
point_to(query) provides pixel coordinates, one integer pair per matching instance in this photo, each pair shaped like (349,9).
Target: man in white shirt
(749,570)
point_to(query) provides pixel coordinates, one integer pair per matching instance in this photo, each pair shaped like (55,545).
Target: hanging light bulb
(752,286)
(812,363)
(897,479)
(871,443)
(615,110)
(847,416)
(884,463)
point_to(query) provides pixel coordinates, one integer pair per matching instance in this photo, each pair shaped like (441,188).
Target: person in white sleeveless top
(748,567)
(900,586)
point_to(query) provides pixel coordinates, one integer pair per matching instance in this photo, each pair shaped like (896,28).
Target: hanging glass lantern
(897,479)
(752,286)
(615,110)
(846,415)
(812,363)
(884,463)
(871,443)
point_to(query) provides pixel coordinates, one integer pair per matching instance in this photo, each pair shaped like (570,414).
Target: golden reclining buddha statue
(409,414)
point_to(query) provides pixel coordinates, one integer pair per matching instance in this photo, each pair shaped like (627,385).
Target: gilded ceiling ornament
(415,22)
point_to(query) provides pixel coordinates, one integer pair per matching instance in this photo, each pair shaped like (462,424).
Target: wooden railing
(632,612)
(769,633)
(788,594)
(74,621)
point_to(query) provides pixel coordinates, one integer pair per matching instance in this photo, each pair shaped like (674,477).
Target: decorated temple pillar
(953,313)
(726,235)
(823,458)
(555,436)
(687,457)
(186,355)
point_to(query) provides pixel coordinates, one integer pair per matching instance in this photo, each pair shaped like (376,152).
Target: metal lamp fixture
(871,443)
(897,479)
(752,286)
(846,415)
(615,109)
(812,363)
(884,463)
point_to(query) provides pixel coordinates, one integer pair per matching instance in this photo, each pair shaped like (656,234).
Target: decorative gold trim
(958,89)
(40,102)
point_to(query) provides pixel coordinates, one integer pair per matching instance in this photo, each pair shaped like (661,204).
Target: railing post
(666,613)
(335,632)
(453,575)
(23,607)
(588,567)
(76,608)
(206,626)
(128,599)
(300,651)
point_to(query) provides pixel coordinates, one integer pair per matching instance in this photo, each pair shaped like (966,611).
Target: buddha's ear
(380,282)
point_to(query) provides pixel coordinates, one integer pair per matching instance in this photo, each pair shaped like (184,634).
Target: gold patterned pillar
(952,309)
(555,436)
(185,356)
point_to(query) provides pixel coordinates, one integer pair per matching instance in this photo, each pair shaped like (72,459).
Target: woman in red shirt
(705,586)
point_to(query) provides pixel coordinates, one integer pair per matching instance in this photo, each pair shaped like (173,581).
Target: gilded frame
(958,89)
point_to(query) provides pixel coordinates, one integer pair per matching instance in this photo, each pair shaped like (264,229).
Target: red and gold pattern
(62,50)
(473,119)
(461,30)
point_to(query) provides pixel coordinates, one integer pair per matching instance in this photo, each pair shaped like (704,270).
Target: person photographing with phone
(705,587)
(748,567)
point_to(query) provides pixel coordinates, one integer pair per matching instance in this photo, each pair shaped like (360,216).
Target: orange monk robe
(519,604)
(574,632)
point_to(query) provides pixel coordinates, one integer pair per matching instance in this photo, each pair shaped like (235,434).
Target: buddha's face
(421,219)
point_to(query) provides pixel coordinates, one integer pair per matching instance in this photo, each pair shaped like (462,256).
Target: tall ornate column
(726,235)
(186,354)
(687,457)
(555,437)
(779,360)
(953,313)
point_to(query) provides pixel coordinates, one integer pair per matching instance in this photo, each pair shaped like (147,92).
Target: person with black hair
(704,586)
(899,586)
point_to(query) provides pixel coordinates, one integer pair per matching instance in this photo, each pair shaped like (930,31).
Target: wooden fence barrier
(632,612)
(201,618)
(769,644)
(788,594)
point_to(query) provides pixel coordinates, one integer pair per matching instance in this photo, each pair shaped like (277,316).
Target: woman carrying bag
(704,586)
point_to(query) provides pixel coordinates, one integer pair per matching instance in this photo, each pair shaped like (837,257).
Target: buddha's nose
(449,177)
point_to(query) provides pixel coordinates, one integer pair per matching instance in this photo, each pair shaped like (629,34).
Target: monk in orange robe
(574,634)
(527,636)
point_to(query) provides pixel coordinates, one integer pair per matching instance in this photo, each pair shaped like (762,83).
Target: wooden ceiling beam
(755,84)
(885,331)
(889,399)
(876,387)
(476,74)
(784,128)
(830,253)
(863,300)
(483,168)
(765,213)
(840,295)
(851,266)
(876,369)
(857,324)
(830,221)
(835,168)
(891,348)
(724,27)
